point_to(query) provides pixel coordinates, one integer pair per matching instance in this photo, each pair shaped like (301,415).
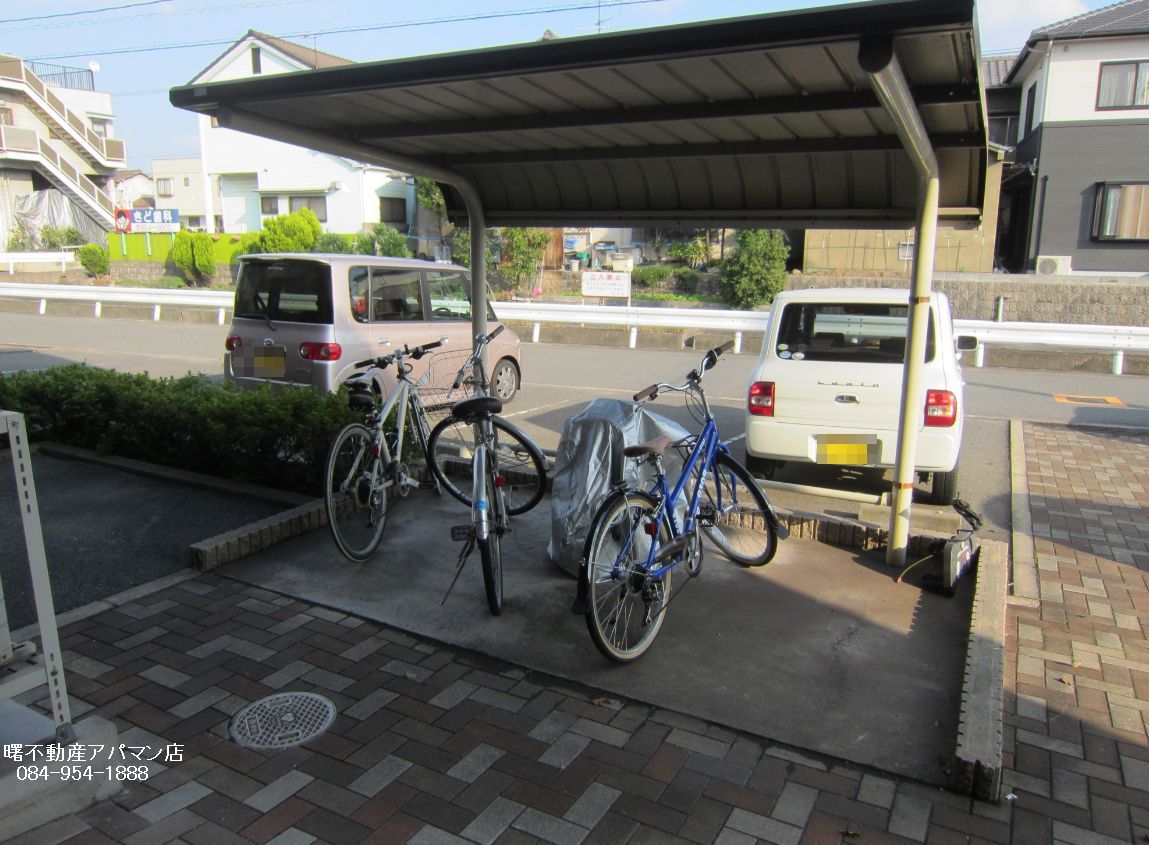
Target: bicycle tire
(451,450)
(743,531)
(619,614)
(421,426)
(356,508)
(491,553)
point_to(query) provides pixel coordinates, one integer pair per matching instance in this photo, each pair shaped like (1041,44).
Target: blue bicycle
(638,538)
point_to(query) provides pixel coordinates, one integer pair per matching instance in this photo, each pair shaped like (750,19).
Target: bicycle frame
(697,466)
(404,396)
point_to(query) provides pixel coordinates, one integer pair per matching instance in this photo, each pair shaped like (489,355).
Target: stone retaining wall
(151,271)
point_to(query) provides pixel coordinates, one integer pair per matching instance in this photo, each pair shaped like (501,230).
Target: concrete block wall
(1095,300)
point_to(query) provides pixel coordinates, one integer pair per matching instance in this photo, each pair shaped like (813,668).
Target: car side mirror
(966,343)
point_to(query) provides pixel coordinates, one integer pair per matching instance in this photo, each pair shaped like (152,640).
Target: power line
(87,11)
(168,15)
(341,31)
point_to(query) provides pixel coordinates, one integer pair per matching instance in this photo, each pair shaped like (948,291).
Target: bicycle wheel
(518,459)
(626,608)
(421,429)
(735,515)
(491,553)
(355,492)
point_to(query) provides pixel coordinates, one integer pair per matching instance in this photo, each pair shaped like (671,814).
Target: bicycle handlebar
(481,341)
(694,377)
(399,354)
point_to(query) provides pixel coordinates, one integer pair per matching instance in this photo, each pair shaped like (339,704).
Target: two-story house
(57,153)
(246,179)
(1078,197)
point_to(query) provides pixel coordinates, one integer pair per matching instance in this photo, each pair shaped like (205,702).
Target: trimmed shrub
(332,242)
(691,252)
(294,232)
(183,254)
(203,253)
(94,259)
(275,439)
(382,240)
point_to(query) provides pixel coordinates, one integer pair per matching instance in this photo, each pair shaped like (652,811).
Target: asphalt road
(559,380)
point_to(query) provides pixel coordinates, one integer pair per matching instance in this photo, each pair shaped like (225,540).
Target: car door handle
(846,398)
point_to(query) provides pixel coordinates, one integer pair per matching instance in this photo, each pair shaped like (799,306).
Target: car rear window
(289,291)
(839,331)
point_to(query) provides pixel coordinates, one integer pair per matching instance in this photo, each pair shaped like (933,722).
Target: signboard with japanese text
(606,284)
(147,220)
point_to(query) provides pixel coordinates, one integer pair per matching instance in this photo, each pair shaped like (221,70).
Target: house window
(1003,130)
(1123,85)
(1121,212)
(393,211)
(164,187)
(100,126)
(316,204)
(269,205)
(195,222)
(1031,108)
(6,116)
(187,181)
(256,60)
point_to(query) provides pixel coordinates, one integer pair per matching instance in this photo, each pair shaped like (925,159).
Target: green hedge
(226,248)
(276,439)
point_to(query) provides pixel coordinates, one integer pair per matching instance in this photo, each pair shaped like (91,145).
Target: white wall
(187,185)
(240,202)
(1074,74)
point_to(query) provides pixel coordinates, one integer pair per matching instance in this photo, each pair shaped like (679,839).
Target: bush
(94,259)
(332,242)
(648,275)
(688,279)
(294,232)
(275,439)
(691,252)
(58,237)
(382,240)
(523,251)
(756,270)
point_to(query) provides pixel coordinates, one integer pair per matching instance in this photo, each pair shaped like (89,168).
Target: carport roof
(768,119)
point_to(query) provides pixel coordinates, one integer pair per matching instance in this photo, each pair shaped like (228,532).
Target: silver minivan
(305,319)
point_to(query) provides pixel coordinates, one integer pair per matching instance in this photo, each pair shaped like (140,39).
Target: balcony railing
(80,79)
(108,149)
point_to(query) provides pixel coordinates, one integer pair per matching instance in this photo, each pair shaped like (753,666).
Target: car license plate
(269,362)
(856,449)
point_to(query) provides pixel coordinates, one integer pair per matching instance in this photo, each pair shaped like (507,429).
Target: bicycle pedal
(460,533)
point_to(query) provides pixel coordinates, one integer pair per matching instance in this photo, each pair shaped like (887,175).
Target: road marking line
(598,389)
(1091,401)
(537,408)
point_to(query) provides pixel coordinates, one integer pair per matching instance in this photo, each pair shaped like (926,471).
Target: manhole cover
(282,720)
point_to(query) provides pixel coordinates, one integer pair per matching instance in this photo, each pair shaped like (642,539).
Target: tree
(183,254)
(382,240)
(756,269)
(690,252)
(203,253)
(428,196)
(523,251)
(461,248)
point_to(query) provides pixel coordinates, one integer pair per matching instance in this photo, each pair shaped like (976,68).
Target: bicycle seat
(476,406)
(656,447)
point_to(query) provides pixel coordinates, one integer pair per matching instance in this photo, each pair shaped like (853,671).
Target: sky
(145,47)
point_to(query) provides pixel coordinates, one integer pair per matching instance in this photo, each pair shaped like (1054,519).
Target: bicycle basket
(434,388)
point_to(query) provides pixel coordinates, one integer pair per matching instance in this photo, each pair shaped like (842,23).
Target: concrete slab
(821,649)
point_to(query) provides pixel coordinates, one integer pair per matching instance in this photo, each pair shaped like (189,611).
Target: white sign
(606,284)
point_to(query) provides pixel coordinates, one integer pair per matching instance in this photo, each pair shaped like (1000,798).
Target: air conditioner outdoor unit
(1054,265)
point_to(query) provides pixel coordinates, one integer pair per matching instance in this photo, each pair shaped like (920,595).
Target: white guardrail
(1117,339)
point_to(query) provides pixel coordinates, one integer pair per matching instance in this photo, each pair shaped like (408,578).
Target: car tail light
(941,408)
(233,342)
(761,402)
(320,351)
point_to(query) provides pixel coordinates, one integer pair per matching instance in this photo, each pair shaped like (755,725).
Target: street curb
(231,546)
(178,476)
(1024,585)
(978,768)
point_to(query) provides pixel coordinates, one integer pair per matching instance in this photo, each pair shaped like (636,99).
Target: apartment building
(57,150)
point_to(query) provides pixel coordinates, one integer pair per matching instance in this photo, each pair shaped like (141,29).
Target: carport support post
(876,56)
(477,224)
(911,407)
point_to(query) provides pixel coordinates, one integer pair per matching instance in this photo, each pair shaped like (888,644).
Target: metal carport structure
(861,115)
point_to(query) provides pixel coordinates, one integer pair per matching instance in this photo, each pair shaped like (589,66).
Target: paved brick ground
(433,745)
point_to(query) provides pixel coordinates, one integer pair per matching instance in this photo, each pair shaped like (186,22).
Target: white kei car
(827,388)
